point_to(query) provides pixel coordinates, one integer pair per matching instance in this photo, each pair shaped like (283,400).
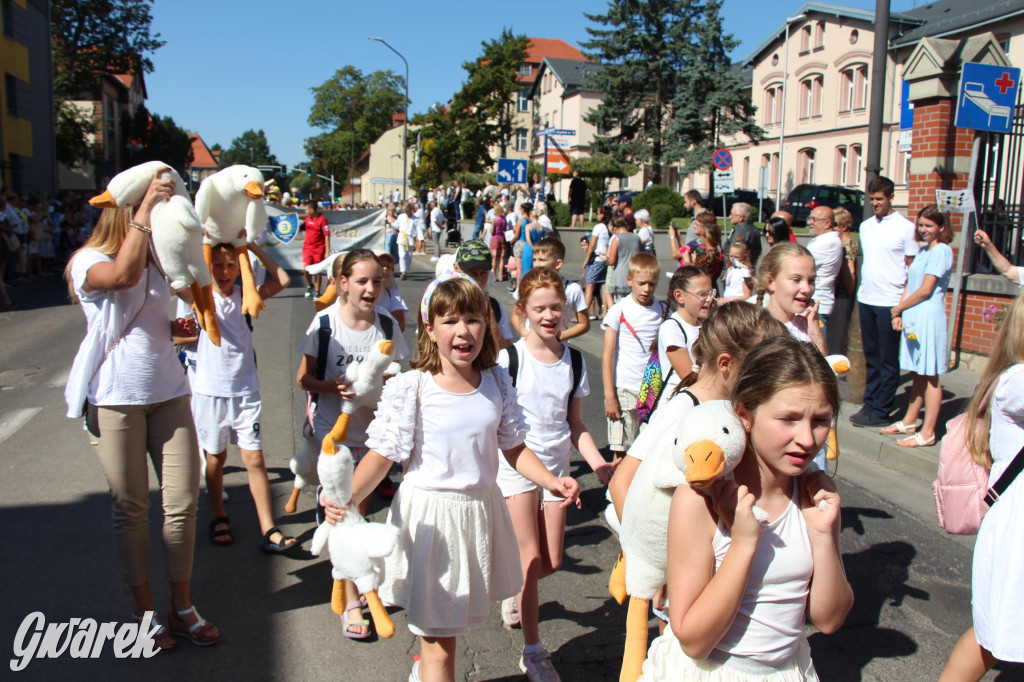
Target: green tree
(353,110)
(658,56)
(709,102)
(152,137)
(250,149)
(89,37)
(481,115)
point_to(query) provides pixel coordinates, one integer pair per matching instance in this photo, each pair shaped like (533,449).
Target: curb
(921,463)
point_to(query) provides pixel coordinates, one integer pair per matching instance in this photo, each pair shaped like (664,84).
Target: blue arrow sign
(511,171)
(988,95)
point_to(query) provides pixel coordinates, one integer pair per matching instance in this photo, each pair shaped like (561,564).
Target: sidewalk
(921,463)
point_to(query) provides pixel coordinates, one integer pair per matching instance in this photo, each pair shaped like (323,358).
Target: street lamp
(405,122)
(393,157)
(782,121)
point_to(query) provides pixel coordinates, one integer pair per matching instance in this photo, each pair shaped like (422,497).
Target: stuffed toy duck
(177,234)
(303,465)
(230,205)
(840,364)
(709,443)
(357,548)
(326,268)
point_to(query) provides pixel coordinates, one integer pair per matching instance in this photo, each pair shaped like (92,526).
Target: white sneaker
(433,259)
(510,613)
(538,667)
(309,292)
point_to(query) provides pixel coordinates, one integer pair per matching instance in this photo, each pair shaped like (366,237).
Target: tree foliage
(72,134)
(250,149)
(353,110)
(659,56)
(481,115)
(602,166)
(99,36)
(152,137)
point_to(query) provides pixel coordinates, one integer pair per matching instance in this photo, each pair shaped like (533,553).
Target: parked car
(804,198)
(747,196)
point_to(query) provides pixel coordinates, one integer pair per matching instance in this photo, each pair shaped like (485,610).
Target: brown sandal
(200,633)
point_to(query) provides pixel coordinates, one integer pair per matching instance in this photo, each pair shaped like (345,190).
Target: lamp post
(782,118)
(393,157)
(405,122)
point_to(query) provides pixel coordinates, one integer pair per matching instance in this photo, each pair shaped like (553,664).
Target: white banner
(955,200)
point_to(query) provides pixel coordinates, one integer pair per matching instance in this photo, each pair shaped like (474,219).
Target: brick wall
(978,334)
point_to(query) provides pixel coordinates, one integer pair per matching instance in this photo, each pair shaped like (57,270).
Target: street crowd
(485,416)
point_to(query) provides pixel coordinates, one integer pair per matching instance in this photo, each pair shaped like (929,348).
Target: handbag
(962,495)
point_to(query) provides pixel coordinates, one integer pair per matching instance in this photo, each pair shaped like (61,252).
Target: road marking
(14,420)
(60,379)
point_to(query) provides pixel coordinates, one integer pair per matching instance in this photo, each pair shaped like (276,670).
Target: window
(7,17)
(805,38)
(904,178)
(805,166)
(772,101)
(854,36)
(11,93)
(524,100)
(819,35)
(841,166)
(854,93)
(856,165)
(810,97)
(525,70)
(746,171)
(522,140)
(1002,38)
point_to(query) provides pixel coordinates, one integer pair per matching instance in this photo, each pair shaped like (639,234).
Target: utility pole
(877,112)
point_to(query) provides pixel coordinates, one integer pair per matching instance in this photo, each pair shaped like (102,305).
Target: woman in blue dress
(533,232)
(921,316)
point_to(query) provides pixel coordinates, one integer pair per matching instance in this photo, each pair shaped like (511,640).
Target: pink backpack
(962,484)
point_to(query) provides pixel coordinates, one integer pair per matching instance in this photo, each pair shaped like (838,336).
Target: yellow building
(27,152)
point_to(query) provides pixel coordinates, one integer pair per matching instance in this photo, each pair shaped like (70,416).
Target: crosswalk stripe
(11,421)
(60,379)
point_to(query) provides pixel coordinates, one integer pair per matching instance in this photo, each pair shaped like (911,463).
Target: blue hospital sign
(988,95)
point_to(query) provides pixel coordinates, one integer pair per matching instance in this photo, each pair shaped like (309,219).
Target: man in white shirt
(827,249)
(437,223)
(889,244)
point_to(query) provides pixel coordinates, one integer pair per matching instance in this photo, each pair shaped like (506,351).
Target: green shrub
(559,214)
(661,215)
(659,194)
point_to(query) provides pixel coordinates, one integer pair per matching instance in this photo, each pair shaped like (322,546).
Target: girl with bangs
(446,420)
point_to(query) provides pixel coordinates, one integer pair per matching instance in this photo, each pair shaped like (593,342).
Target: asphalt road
(912,582)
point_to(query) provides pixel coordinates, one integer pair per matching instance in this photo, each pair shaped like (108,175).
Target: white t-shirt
(886,245)
(681,335)
(543,393)
(646,235)
(143,368)
(797,328)
(390,301)
(230,370)
(437,219)
(346,346)
(575,302)
(451,440)
(734,277)
(633,351)
(827,249)
(603,237)
(406,224)
(544,221)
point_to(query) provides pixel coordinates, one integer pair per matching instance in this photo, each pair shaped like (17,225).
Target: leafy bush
(659,194)
(661,215)
(559,214)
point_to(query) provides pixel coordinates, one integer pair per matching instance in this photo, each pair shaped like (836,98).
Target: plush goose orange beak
(105,200)
(253,190)
(705,461)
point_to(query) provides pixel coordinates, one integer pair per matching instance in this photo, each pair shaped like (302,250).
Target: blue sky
(230,66)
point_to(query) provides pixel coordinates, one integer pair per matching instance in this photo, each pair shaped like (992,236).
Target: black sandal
(217,537)
(276,547)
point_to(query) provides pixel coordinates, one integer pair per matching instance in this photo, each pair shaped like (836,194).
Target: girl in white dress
(551,394)
(997,583)
(447,420)
(740,591)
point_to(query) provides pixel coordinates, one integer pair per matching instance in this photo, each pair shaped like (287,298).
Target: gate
(999,191)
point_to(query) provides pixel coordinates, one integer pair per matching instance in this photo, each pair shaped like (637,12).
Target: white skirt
(456,553)
(667,661)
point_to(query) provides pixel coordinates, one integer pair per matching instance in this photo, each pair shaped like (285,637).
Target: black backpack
(575,359)
(386,323)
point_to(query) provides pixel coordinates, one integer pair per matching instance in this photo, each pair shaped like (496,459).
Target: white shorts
(219,420)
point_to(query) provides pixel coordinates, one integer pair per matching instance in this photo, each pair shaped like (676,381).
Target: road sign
(557,162)
(556,131)
(724,182)
(763,180)
(722,160)
(906,141)
(988,95)
(512,171)
(561,141)
(906,108)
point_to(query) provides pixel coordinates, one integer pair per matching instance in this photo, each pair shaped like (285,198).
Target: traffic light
(308,174)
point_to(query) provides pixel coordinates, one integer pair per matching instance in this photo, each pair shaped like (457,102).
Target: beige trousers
(165,431)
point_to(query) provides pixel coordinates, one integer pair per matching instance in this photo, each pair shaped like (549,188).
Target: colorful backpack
(654,379)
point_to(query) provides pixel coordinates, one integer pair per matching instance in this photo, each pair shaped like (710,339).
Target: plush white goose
(177,234)
(230,206)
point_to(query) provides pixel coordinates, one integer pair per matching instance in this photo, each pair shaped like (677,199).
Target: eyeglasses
(812,219)
(702,295)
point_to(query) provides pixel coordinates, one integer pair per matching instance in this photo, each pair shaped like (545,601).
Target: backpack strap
(576,360)
(387,325)
(323,340)
(513,362)
(1005,479)
(622,320)
(495,308)
(671,369)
